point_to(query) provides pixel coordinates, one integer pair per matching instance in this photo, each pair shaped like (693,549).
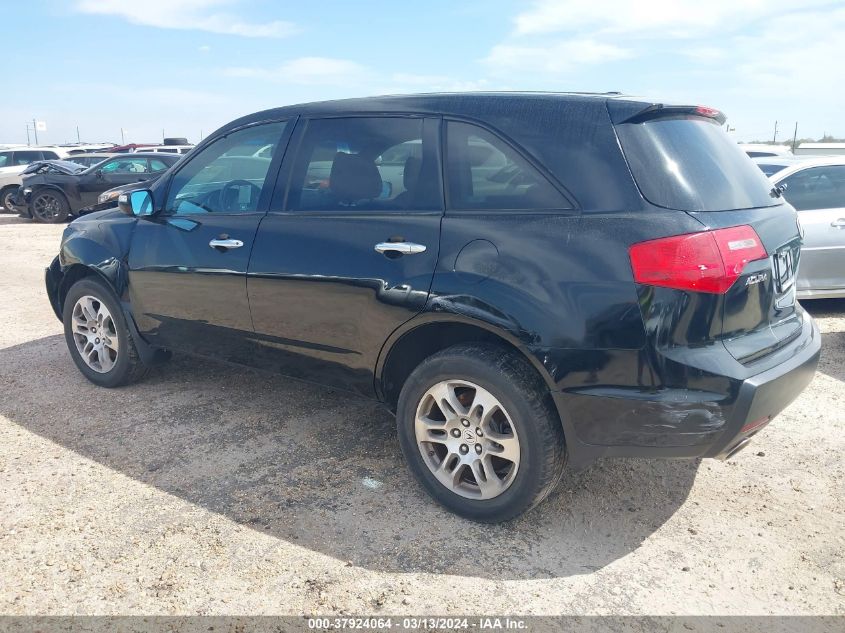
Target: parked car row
(51,191)
(14,160)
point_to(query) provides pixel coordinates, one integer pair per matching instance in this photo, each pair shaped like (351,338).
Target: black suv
(525,279)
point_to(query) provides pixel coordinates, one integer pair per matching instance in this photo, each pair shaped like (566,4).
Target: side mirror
(99,173)
(137,203)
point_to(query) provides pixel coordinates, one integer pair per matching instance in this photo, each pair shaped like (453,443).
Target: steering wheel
(229,203)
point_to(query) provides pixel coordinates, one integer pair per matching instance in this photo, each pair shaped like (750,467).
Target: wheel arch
(430,333)
(71,275)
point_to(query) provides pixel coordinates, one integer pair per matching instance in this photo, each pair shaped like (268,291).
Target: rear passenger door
(818,194)
(348,254)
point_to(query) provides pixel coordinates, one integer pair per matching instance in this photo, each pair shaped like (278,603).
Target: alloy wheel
(95,334)
(46,206)
(467,439)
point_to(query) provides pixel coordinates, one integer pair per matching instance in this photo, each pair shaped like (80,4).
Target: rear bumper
(763,396)
(682,423)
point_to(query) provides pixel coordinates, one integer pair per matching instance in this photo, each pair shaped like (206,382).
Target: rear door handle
(405,248)
(226,244)
(838,224)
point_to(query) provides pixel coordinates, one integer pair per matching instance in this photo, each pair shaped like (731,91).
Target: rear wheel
(49,206)
(479,431)
(97,337)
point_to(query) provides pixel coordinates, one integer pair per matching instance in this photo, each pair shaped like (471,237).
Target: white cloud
(795,56)
(307,71)
(668,18)
(201,15)
(554,57)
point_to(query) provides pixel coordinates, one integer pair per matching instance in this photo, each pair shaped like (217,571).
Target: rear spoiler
(662,111)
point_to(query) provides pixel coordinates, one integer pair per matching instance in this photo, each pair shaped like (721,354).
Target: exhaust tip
(737,448)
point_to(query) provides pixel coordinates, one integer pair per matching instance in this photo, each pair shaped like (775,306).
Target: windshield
(691,164)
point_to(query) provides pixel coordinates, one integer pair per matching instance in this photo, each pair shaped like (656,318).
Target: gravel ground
(214,489)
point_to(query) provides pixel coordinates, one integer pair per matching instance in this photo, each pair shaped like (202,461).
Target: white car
(816,188)
(758,150)
(13,161)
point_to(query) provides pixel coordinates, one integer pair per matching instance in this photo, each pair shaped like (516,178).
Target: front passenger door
(187,263)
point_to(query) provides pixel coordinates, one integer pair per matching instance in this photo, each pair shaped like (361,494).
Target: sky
(186,67)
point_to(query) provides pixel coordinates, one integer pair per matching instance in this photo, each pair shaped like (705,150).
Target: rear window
(690,164)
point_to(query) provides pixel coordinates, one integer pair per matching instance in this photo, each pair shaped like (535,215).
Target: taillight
(709,261)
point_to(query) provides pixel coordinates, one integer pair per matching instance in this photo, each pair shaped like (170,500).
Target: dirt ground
(214,489)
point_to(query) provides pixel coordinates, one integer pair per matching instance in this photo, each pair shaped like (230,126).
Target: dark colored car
(50,196)
(525,279)
(108,199)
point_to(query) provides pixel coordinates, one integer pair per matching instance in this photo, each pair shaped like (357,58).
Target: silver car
(816,188)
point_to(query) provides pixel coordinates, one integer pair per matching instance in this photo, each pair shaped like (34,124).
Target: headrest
(411,174)
(354,177)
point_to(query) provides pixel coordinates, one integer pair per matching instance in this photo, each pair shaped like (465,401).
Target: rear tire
(49,206)
(97,336)
(479,431)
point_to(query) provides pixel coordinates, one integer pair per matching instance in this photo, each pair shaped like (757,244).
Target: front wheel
(97,337)
(6,196)
(49,206)
(479,431)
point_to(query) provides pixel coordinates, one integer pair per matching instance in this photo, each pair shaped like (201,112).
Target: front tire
(97,336)
(479,431)
(6,198)
(49,206)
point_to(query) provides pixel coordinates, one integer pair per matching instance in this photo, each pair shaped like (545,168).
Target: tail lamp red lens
(709,261)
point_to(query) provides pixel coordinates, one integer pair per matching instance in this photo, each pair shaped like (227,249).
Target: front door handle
(225,244)
(403,248)
(838,224)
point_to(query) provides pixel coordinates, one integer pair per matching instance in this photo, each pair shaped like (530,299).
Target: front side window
(484,172)
(816,188)
(126,166)
(227,176)
(365,164)
(5,159)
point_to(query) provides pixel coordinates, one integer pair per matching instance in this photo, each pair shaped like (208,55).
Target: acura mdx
(526,280)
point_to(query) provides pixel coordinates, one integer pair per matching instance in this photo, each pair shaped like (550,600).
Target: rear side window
(484,172)
(5,159)
(816,188)
(365,164)
(690,164)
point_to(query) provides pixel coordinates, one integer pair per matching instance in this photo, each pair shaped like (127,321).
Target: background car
(816,188)
(770,165)
(13,161)
(108,198)
(89,160)
(51,195)
(761,150)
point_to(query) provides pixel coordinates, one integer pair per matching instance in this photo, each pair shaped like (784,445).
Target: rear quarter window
(690,164)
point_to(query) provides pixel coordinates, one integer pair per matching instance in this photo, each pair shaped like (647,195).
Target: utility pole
(794,137)
(122,141)
(77,136)
(27,135)
(35,129)
(775,137)
(162,135)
